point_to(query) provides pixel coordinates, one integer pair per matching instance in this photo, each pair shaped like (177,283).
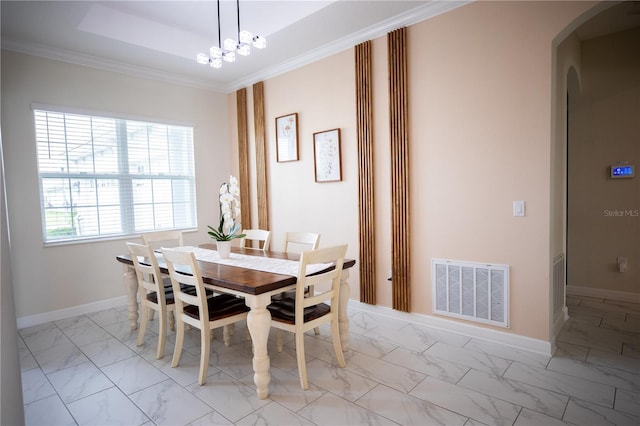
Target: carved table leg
(259,324)
(131,284)
(343,317)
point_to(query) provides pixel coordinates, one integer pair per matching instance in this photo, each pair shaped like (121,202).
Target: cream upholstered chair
(300,314)
(297,242)
(153,297)
(197,310)
(262,236)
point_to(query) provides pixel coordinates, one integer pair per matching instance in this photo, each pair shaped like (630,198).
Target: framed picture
(326,153)
(287,137)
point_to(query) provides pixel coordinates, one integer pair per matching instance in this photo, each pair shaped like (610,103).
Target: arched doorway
(593,69)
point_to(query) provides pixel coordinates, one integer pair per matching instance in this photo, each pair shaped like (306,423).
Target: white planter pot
(224,249)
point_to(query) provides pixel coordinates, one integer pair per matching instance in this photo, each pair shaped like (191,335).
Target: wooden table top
(245,280)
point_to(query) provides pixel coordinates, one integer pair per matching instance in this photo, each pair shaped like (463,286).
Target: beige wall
(480,113)
(604,129)
(57,277)
(11,401)
(297,202)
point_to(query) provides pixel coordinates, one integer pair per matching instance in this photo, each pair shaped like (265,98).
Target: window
(104,177)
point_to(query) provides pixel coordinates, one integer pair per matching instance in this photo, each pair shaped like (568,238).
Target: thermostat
(626,171)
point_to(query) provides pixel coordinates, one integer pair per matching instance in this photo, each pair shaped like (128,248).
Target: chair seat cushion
(220,306)
(168,295)
(284,310)
(168,291)
(290,294)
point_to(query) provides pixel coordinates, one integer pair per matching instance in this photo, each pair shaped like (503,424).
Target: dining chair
(263,238)
(297,242)
(300,314)
(197,310)
(153,297)
(158,239)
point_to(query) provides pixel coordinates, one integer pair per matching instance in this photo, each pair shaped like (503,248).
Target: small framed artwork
(287,137)
(326,153)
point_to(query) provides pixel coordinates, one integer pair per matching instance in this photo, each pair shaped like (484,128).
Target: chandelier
(227,51)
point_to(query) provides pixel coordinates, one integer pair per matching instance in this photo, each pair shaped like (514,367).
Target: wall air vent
(559,282)
(476,292)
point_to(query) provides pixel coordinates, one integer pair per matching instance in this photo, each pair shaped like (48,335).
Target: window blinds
(103,177)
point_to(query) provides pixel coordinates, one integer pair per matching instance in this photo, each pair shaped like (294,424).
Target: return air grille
(473,291)
(559,282)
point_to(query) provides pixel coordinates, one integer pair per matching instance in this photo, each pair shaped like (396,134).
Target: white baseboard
(517,341)
(560,321)
(31,320)
(603,293)
(557,326)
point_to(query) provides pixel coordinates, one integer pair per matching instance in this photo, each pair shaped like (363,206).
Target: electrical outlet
(623,263)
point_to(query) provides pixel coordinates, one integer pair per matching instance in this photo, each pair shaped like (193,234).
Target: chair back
(147,271)
(158,239)
(297,242)
(185,275)
(262,236)
(334,255)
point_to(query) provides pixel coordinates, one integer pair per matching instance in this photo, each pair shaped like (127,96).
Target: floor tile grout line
(378,414)
(46,375)
(114,385)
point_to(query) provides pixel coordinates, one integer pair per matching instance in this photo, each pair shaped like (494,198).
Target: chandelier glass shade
(227,50)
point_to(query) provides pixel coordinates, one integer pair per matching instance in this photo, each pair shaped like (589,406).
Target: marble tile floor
(87,370)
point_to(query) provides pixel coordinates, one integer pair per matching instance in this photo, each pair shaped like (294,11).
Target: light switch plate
(518,208)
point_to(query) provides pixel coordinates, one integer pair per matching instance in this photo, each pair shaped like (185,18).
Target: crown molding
(380,29)
(428,10)
(63,55)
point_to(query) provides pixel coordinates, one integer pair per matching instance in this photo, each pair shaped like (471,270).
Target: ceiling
(160,39)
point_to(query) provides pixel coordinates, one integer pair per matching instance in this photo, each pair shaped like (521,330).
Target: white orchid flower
(226,198)
(229,200)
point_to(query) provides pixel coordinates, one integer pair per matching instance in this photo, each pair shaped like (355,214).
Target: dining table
(247,273)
